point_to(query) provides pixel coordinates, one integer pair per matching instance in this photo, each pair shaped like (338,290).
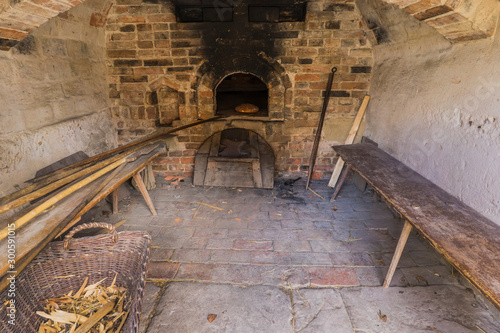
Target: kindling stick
(312,159)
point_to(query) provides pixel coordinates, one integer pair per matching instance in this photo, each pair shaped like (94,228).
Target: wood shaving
(99,306)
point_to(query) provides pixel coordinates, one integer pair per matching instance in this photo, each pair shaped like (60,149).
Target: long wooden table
(467,239)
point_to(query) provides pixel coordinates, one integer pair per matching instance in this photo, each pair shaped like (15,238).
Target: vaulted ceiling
(456,20)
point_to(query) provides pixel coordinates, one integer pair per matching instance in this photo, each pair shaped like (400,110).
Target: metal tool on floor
(312,159)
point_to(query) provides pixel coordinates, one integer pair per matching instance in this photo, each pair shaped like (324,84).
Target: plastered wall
(436,107)
(53,95)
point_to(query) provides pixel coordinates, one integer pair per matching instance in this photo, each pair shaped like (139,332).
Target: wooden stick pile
(93,308)
(63,182)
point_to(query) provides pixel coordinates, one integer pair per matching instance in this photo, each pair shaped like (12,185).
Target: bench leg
(341,182)
(138,179)
(397,254)
(114,204)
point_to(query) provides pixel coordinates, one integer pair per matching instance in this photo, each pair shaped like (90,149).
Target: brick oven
(173,62)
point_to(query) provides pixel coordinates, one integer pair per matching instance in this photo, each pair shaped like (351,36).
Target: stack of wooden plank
(67,194)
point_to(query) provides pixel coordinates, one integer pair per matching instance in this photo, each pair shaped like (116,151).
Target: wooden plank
(266,164)
(24,261)
(33,233)
(255,155)
(200,162)
(129,170)
(56,198)
(214,146)
(468,240)
(341,182)
(142,188)
(350,139)
(397,254)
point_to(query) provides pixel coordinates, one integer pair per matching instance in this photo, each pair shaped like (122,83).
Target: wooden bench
(468,240)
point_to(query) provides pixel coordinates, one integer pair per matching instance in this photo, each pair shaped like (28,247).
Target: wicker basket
(57,271)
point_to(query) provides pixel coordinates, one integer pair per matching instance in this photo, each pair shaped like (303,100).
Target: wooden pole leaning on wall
(314,152)
(47,183)
(42,207)
(24,261)
(156,135)
(350,139)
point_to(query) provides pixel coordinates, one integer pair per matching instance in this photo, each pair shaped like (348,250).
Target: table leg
(142,188)
(397,254)
(114,204)
(340,183)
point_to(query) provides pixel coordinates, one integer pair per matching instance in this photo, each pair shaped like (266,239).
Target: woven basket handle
(108,226)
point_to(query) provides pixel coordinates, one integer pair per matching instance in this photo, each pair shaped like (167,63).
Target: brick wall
(163,72)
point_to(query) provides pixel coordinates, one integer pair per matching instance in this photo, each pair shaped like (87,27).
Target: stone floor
(288,260)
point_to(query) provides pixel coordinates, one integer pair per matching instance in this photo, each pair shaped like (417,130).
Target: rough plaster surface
(23,153)
(436,107)
(53,94)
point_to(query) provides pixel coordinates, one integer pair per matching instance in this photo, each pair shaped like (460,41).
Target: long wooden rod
(101,195)
(49,184)
(312,159)
(82,168)
(39,209)
(37,193)
(156,135)
(25,260)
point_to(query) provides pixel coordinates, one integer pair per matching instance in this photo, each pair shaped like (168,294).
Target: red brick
(354,85)
(332,276)
(162,270)
(307,77)
(12,34)
(208,93)
(167,160)
(240,244)
(197,272)
(187,160)
(131,19)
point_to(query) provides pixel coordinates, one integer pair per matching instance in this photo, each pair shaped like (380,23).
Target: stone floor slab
(416,310)
(151,293)
(185,307)
(320,310)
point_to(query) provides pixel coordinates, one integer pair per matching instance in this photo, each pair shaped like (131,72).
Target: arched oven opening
(242,94)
